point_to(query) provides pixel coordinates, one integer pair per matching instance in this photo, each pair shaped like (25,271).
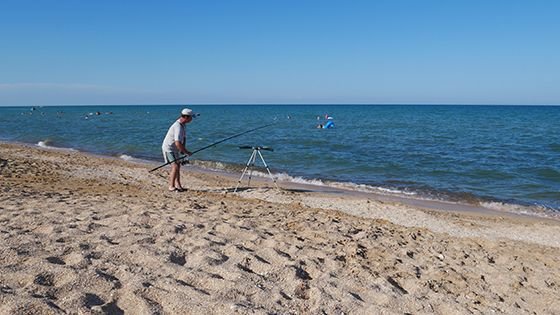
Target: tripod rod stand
(251,163)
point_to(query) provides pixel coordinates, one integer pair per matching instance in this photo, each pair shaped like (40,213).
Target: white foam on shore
(395,191)
(43,144)
(342,185)
(126,157)
(46,144)
(539,211)
(288,178)
(531,210)
(535,210)
(299,180)
(133,159)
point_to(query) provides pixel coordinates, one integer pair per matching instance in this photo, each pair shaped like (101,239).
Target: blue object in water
(329,124)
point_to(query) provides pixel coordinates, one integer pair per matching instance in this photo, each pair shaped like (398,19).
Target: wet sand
(87,235)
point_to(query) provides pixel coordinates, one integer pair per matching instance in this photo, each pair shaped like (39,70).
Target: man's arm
(182,148)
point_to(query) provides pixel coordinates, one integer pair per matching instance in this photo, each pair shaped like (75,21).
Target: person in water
(328,124)
(173,148)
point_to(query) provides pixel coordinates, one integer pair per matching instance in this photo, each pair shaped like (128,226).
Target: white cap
(187,112)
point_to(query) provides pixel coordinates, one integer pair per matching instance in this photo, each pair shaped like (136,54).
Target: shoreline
(528,212)
(90,234)
(261,188)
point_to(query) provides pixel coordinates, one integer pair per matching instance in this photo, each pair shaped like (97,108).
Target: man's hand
(184,158)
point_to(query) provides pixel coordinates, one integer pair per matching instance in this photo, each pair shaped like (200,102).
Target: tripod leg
(252,166)
(269,173)
(244,171)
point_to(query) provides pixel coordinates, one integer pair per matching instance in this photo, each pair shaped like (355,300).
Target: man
(173,148)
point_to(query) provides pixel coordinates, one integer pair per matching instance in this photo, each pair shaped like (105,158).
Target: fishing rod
(213,144)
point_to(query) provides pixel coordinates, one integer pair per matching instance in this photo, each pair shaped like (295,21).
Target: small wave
(396,191)
(44,144)
(534,210)
(49,144)
(284,177)
(341,185)
(299,180)
(218,166)
(418,193)
(531,210)
(126,157)
(129,158)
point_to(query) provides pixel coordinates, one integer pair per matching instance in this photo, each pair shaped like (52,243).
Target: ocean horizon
(503,157)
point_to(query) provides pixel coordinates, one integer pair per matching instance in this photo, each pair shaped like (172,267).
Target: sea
(500,157)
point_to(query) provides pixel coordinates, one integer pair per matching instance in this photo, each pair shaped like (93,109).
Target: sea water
(496,156)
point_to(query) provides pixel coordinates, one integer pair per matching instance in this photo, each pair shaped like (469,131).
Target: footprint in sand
(45,279)
(356,296)
(84,246)
(284,295)
(302,291)
(92,255)
(180,228)
(6,289)
(217,261)
(116,283)
(259,258)
(181,282)
(243,248)
(91,300)
(283,254)
(301,273)
(245,268)
(111,308)
(55,260)
(213,242)
(108,240)
(177,258)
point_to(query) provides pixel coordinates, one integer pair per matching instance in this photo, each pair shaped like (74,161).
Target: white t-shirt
(175,133)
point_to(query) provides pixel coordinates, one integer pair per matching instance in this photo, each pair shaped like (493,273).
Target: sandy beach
(83,234)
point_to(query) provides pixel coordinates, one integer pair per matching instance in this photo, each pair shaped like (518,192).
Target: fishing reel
(184,160)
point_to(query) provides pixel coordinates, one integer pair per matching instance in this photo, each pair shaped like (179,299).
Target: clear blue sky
(279,51)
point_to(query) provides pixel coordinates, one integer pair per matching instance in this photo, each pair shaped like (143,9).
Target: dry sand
(90,235)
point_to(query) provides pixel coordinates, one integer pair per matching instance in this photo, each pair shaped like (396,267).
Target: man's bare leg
(178,178)
(173,175)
